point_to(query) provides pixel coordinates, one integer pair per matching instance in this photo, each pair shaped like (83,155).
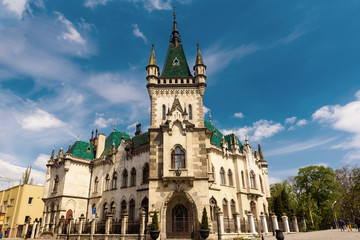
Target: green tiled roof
(114,137)
(141,139)
(83,150)
(217,136)
(175,63)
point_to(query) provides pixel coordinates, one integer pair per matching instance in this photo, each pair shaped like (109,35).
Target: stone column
(251,222)
(108,222)
(221,222)
(274,222)
(27,223)
(93,225)
(285,221)
(42,229)
(61,225)
(33,229)
(70,222)
(81,223)
(124,222)
(264,223)
(295,223)
(47,223)
(237,222)
(142,221)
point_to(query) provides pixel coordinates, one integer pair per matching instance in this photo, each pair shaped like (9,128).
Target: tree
(26,176)
(282,199)
(204,220)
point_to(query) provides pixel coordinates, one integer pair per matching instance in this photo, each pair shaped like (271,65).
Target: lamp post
(8,201)
(332,208)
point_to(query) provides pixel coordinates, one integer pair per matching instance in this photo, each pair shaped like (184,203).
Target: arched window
(163,112)
(213,172)
(133,177)
(261,184)
(114,181)
(123,206)
(56,183)
(177,158)
(125,178)
(230,178)
(225,208)
(132,209)
(232,206)
(146,173)
(105,210)
(190,112)
(107,182)
(112,207)
(252,180)
(222,176)
(96,184)
(213,205)
(145,206)
(242,178)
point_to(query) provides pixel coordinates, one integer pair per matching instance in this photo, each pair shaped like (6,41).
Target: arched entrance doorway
(180,217)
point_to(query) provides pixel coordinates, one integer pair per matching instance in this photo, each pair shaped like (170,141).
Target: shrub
(155,222)
(204,220)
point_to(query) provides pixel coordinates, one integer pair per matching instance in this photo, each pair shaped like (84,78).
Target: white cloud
(138,33)
(102,122)
(297,147)
(344,118)
(95,3)
(273,180)
(16,6)
(151,5)
(72,35)
(41,161)
(290,120)
(301,122)
(206,110)
(132,126)
(239,115)
(40,120)
(259,130)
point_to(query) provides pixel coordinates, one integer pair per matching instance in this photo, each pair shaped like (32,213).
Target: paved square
(321,235)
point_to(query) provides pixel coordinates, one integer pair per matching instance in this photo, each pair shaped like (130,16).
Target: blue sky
(284,73)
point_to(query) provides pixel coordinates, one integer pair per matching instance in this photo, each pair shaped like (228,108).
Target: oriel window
(177,158)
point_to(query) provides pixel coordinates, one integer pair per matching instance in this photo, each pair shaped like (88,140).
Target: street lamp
(9,198)
(332,208)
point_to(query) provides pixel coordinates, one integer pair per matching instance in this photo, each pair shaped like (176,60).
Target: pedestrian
(357,222)
(348,224)
(341,224)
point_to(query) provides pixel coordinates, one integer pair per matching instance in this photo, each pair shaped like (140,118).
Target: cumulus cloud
(259,130)
(95,3)
(206,110)
(138,33)
(72,35)
(290,120)
(40,120)
(239,115)
(302,122)
(41,160)
(16,6)
(102,122)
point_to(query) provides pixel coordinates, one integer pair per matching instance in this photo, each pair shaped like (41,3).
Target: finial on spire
(69,150)
(246,140)
(175,33)
(78,137)
(52,153)
(209,116)
(115,123)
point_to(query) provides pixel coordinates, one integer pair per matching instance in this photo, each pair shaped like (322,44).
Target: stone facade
(181,165)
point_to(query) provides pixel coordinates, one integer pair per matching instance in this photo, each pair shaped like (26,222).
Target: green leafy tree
(282,199)
(26,176)
(204,220)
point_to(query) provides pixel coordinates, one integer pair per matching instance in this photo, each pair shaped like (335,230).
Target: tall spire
(152,60)
(52,153)
(199,60)
(175,33)
(260,152)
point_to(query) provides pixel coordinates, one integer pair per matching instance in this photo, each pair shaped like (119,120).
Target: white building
(179,166)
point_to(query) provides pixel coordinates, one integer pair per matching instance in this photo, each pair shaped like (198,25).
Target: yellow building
(18,204)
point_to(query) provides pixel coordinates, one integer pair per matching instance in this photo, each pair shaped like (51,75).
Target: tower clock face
(176,62)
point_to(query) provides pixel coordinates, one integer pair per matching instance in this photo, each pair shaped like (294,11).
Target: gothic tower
(178,159)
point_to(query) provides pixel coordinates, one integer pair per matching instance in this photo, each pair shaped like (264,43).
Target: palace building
(180,165)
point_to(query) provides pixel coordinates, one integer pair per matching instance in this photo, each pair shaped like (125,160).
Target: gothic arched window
(56,183)
(114,180)
(177,158)
(252,180)
(213,205)
(112,207)
(146,173)
(133,177)
(107,182)
(123,207)
(242,178)
(163,112)
(230,178)
(132,209)
(225,208)
(96,184)
(190,112)
(105,210)
(125,178)
(232,206)
(222,176)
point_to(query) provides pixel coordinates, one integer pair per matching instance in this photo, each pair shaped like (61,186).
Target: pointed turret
(175,33)
(69,149)
(260,153)
(152,68)
(52,154)
(199,68)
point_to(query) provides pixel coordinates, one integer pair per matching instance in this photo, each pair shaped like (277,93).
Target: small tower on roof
(152,68)
(199,67)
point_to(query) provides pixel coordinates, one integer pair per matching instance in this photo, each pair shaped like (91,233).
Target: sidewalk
(321,235)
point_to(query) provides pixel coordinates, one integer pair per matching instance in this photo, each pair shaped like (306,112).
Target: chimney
(92,137)
(100,145)
(138,129)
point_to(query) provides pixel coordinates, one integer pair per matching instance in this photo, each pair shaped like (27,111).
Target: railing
(133,226)
(100,227)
